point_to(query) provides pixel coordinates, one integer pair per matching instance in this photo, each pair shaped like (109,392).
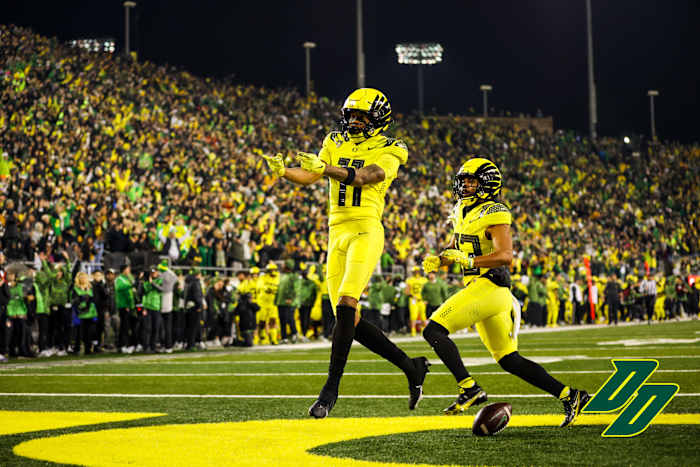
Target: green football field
(236,407)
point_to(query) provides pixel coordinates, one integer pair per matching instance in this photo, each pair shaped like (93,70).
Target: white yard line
(129,361)
(173,359)
(271,396)
(387,373)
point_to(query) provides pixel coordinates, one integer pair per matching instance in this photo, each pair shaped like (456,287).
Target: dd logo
(626,389)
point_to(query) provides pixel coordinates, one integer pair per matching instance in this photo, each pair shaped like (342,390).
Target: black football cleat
(323,405)
(415,388)
(573,403)
(465,399)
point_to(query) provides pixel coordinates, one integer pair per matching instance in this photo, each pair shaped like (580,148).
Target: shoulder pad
(397,148)
(396,142)
(494,208)
(334,138)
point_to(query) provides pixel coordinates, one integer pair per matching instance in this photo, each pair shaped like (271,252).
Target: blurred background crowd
(107,161)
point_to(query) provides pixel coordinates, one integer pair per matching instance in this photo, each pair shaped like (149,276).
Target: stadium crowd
(107,161)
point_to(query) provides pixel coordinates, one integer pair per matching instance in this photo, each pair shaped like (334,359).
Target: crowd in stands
(105,158)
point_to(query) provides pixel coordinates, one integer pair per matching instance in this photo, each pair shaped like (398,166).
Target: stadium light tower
(592,109)
(127,6)
(360,51)
(652,93)
(420,54)
(485,88)
(307,47)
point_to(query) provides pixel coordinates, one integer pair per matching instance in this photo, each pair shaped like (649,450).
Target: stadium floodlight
(421,54)
(94,45)
(652,93)
(485,88)
(307,47)
(127,6)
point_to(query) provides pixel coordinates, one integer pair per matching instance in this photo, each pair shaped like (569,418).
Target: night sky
(533,53)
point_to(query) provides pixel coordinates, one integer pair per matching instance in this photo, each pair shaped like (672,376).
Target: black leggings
(87,334)
(43,320)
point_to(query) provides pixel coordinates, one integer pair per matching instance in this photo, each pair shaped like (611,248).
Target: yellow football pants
(354,249)
(486,305)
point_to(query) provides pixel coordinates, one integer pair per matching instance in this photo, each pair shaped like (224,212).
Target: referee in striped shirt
(648,291)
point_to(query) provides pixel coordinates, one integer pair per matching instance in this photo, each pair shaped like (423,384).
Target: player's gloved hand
(431,263)
(276,164)
(311,162)
(458,256)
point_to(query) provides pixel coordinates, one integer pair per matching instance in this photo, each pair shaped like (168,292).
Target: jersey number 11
(356,191)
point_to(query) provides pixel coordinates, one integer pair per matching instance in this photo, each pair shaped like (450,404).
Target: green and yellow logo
(628,390)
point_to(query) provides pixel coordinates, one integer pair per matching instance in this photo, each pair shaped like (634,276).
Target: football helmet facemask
(373,105)
(488,179)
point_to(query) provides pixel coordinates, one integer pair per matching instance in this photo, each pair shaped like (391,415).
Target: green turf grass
(659,445)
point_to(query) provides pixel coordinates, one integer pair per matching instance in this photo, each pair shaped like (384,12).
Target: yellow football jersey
(349,202)
(267,288)
(249,286)
(470,229)
(552,289)
(415,286)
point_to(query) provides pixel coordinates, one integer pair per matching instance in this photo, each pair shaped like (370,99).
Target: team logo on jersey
(626,389)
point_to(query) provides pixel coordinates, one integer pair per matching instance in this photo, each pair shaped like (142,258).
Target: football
(492,419)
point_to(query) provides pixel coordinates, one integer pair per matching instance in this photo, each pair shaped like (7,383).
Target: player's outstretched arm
(294,174)
(364,176)
(300,176)
(347,175)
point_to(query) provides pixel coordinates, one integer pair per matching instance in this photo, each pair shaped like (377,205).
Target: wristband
(351,176)
(470,262)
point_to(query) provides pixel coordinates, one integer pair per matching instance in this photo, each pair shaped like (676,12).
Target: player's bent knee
(433,332)
(511,362)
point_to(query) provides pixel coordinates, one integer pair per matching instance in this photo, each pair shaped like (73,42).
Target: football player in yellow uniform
(416,304)
(250,286)
(360,163)
(268,316)
(552,300)
(483,247)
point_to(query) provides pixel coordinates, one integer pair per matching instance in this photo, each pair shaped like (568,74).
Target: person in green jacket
(285,302)
(434,294)
(42,282)
(305,291)
(84,306)
(179,313)
(126,307)
(16,324)
(401,301)
(150,320)
(61,310)
(442,280)
(388,309)
(42,316)
(375,297)
(537,293)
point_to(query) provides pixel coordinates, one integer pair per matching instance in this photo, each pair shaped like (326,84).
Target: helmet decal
(489,181)
(374,104)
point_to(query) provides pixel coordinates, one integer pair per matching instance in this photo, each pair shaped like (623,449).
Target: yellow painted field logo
(626,389)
